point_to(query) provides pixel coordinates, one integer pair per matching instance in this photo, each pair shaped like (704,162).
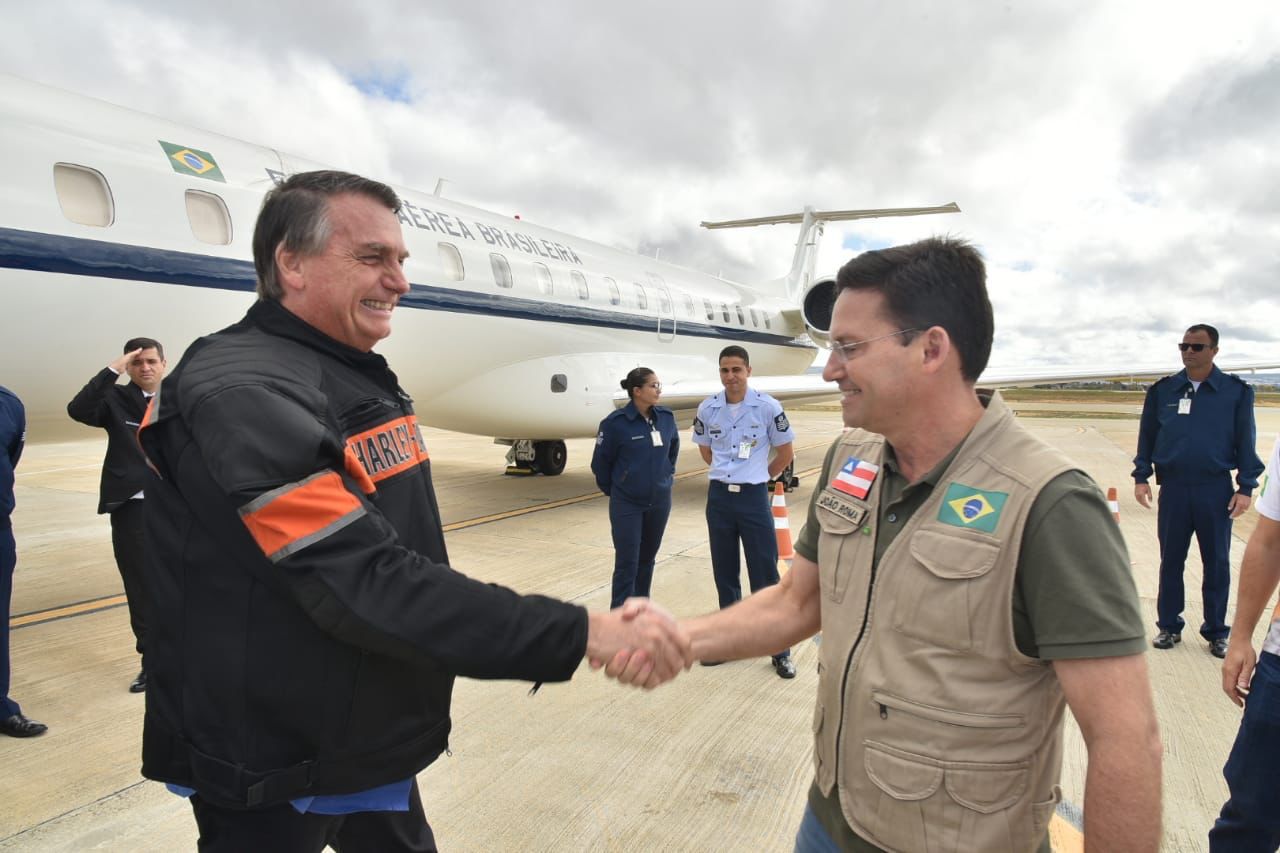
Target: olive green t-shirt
(1073,597)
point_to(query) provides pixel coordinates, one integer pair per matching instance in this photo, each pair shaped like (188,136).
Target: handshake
(639,643)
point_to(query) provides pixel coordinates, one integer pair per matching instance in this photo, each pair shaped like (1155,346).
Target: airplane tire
(549,457)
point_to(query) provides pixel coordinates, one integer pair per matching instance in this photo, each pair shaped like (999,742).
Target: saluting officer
(1197,425)
(634,464)
(734,431)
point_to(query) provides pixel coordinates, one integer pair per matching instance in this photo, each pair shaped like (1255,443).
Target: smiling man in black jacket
(118,409)
(307,624)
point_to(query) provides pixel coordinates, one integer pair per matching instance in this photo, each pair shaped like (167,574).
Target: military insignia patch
(599,438)
(780,423)
(698,428)
(965,506)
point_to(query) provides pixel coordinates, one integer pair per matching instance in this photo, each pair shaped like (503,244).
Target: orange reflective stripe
(356,470)
(296,515)
(389,448)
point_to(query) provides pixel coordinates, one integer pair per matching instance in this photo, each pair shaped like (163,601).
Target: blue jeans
(1250,819)
(812,838)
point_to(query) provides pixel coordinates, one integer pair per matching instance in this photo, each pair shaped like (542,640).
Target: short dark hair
(1208,330)
(144,343)
(296,214)
(941,281)
(734,351)
(635,379)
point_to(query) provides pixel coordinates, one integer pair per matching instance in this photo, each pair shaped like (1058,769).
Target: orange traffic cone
(781,524)
(1113,501)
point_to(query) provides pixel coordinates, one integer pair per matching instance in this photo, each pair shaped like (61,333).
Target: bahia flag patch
(855,477)
(965,506)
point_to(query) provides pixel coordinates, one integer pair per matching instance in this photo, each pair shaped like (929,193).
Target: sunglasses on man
(1193,347)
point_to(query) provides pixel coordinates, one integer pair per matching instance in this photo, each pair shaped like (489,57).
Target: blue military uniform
(738,495)
(13,429)
(634,464)
(1192,439)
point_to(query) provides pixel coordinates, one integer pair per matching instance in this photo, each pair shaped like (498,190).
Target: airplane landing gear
(528,457)
(549,457)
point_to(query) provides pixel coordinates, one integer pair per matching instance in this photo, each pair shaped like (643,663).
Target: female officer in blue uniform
(634,464)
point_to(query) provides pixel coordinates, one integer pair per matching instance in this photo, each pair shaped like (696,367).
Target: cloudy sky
(1114,160)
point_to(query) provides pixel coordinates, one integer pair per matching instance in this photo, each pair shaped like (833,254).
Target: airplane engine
(816,307)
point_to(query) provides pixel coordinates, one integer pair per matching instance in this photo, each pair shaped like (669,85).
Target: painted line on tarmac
(66,611)
(1065,829)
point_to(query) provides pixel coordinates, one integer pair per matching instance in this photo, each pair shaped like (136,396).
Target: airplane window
(688,304)
(711,311)
(742,320)
(755,322)
(664,301)
(501,271)
(615,298)
(581,281)
(451,262)
(642,300)
(545,282)
(83,195)
(724,311)
(209,218)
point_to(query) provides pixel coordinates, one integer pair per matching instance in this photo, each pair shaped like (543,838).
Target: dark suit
(13,431)
(119,409)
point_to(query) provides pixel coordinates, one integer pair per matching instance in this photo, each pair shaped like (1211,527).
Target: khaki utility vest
(941,734)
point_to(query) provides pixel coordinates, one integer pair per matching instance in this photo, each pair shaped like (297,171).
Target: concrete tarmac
(720,760)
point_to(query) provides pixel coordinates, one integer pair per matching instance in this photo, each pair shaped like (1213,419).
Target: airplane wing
(683,397)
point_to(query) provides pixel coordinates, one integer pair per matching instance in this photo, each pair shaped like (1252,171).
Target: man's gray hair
(295,215)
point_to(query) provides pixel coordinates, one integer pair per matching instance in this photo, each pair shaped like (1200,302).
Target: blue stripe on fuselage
(30,250)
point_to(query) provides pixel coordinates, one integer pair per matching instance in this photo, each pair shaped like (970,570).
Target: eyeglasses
(844,352)
(657,386)
(1184,346)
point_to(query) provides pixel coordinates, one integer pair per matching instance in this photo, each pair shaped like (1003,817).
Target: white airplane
(117,223)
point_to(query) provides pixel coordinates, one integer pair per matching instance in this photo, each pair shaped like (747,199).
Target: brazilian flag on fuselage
(192,161)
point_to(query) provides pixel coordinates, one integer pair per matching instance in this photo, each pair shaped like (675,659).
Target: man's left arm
(19,417)
(1084,616)
(1111,701)
(782,438)
(1248,465)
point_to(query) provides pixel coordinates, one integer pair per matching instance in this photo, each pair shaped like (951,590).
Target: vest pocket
(943,597)
(965,805)
(885,701)
(836,546)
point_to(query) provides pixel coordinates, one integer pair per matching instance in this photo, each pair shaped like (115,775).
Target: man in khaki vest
(969,584)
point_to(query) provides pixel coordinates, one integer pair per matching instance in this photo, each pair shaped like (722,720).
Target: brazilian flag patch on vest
(965,506)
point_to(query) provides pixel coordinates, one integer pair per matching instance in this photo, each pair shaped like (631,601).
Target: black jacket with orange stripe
(307,627)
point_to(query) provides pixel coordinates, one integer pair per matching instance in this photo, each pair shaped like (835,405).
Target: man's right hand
(657,646)
(1237,669)
(121,363)
(1142,491)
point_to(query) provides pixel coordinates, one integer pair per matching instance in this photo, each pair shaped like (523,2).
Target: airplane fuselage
(510,329)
